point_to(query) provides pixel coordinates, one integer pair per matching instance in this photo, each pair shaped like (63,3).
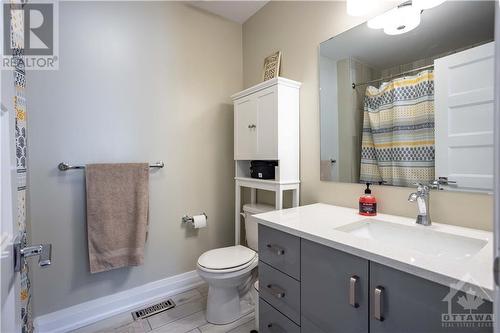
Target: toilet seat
(227,259)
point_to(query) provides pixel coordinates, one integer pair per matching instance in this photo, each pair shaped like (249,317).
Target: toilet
(228,271)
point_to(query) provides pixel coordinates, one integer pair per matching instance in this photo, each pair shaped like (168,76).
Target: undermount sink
(416,238)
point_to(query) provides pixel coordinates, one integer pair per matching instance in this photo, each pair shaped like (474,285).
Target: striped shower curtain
(398,132)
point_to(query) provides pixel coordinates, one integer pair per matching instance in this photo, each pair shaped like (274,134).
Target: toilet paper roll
(199,221)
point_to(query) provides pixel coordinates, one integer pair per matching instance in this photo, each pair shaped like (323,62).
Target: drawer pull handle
(276,291)
(379,298)
(275,328)
(279,251)
(353,281)
(252,126)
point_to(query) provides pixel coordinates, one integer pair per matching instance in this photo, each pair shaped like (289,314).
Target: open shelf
(266,181)
(243,171)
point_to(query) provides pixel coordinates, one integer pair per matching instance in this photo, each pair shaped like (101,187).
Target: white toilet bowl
(228,271)
(225,270)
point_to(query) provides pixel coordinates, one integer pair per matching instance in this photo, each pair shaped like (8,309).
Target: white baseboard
(104,307)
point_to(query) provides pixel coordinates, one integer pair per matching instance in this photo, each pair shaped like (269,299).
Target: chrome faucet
(421,197)
(43,251)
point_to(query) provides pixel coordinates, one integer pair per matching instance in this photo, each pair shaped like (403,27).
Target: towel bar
(65,166)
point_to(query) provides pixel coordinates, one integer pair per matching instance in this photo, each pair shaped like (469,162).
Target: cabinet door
(245,129)
(411,304)
(267,127)
(334,290)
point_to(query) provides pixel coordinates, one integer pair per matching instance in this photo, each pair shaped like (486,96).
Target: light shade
(378,22)
(402,20)
(426,4)
(397,20)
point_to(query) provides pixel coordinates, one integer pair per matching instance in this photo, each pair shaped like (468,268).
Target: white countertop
(318,223)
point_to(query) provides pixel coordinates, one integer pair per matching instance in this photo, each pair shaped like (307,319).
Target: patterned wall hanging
(272,66)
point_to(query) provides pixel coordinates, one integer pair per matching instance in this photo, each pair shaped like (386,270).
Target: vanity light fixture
(360,7)
(427,4)
(403,18)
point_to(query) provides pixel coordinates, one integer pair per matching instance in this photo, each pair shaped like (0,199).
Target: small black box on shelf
(263,169)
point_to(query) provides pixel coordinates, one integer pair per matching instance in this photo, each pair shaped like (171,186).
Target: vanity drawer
(280,290)
(280,250)
(271,320)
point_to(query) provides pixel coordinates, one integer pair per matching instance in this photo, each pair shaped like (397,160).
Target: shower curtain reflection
(398,131)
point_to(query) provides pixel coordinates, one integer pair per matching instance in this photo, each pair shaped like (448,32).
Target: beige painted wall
(137,82)
(297,28)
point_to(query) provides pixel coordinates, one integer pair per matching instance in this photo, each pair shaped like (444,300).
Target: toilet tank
(251,225)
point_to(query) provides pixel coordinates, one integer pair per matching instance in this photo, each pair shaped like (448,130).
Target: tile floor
(188,316)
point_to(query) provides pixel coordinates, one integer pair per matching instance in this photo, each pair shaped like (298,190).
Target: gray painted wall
(137,82)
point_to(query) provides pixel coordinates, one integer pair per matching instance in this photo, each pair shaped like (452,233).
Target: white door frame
(10,317)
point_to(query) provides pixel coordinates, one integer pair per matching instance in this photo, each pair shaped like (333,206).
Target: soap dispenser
(367,203)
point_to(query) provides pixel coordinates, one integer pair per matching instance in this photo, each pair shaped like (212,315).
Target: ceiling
(237,11)
(450,26)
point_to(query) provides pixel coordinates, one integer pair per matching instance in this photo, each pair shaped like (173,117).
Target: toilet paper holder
(186,219)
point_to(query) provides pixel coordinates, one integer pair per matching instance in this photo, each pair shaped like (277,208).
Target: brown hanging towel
(117,214)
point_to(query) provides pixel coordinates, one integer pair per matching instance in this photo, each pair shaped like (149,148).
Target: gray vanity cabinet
(279,281)
(334,290)
(401,302)
(312,288)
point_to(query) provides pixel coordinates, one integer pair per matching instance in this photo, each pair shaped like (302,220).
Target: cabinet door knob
(279,251)
(276,291)
(378,303)
(353,281)
(252,126)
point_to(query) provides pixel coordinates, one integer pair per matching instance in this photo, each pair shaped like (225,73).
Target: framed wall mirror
(412,102)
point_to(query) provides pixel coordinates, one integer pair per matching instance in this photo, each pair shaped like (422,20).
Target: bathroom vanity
(325,268)
(395,111)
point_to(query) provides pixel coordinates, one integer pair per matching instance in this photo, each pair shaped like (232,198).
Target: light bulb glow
(397,20)
(378,22)
(426,4)
(406,19)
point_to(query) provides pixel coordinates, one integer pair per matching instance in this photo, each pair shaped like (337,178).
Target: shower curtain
(398,132)
(19,105)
